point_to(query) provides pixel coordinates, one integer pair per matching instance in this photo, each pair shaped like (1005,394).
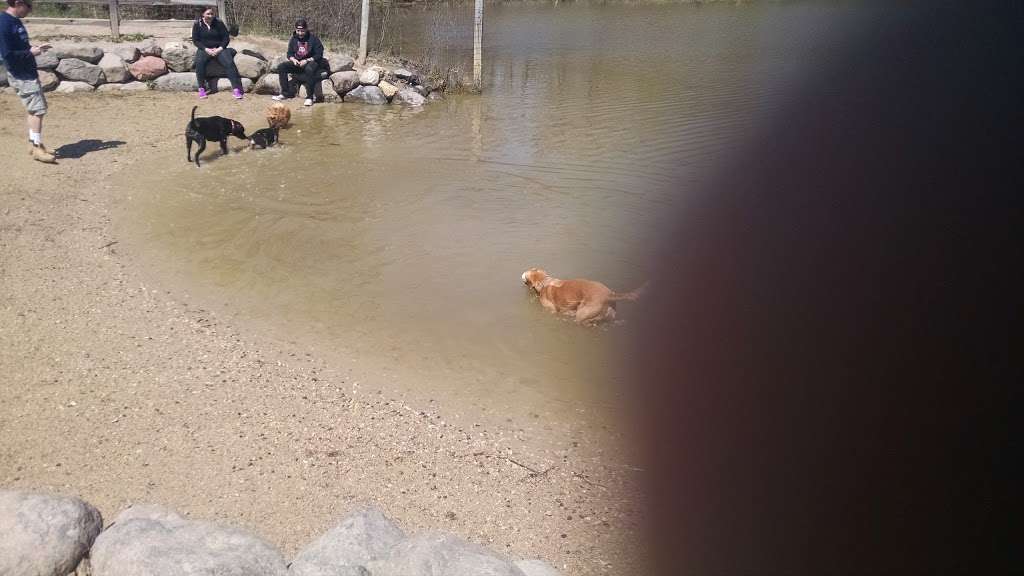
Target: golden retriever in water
(278,115)
(589,301)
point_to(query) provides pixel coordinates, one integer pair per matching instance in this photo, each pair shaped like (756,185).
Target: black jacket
(316,48)
(216,36)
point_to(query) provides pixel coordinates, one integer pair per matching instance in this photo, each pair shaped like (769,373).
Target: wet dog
(278,115)
(212,128)
(588,301)
(264,138)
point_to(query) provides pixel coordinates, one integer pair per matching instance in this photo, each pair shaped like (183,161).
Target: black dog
(264,138)
(215,128)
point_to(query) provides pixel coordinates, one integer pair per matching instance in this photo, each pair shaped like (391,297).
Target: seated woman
(211,38)
(305,57)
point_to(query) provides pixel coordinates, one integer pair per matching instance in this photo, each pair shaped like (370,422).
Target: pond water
(397,236)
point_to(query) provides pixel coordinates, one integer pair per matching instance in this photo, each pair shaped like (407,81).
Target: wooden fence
(115,8)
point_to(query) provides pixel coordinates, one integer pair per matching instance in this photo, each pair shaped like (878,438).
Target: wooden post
(115,20)
(478,37)
(222,11)
(364,28)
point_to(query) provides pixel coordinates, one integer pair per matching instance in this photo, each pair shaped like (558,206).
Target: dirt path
(122,392)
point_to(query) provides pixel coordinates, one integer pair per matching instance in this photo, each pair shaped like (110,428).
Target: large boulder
(536,568)
(69,86)
(148,68)
(369,77)
(366,95)
(340,62)
(248,67)
(48,80)
(90,54)
(47,60)
(180,57)
(150,48)
(437,553)
(225,84)
(409,97)
(81,71)
(325,92)
(345,81)
(155,542)
(177,82)
(127,53)
(44,535)
(275,63)
(405,74)
(114,68)
(359,538)
(268,85)
(126,87)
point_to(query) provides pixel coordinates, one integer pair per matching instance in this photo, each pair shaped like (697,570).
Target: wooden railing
(115,10)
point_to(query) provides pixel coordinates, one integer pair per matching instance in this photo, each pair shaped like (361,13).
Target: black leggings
(226,59)
(308,74)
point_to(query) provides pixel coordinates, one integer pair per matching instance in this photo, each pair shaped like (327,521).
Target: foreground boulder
(248,67)
(369,77)
(114,68)
(388,89)
(223,84)
(345,81)
(366,95)
(47,60)
(435,553)
(148,68)
(70,86)
(361,537)
(177,82)
(44,535)
(325,92)
(90,54)
(269,84)
(409,97)
(340,62)
(179,56)
(156,542)
(150,48)
(81,71)
(127,53)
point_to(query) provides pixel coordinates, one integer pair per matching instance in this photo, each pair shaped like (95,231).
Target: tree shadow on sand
(83,147)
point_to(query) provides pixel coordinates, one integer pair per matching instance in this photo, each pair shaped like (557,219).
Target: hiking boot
(41,154)
(237,94)
(202,93)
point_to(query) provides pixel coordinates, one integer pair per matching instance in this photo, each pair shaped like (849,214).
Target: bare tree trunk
(478,37)
(364,28)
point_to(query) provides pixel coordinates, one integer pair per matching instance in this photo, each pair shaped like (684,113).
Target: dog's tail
(192,122)
(632,295)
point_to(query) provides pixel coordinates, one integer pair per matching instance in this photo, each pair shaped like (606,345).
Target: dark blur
(825,361)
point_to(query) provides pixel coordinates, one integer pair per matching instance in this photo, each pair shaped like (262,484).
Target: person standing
(211,38)
(305,58)
(20,59)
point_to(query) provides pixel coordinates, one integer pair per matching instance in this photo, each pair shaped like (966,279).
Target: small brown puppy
(278,115)
(589,301)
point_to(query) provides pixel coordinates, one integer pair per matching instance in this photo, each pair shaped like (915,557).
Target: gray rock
(435,96)
(536,568)
(325,92)
(369,77)
(47,60)
(81,71)
(114,68)
(90,54)
(436,553)
(422,90)
(69,86)
(156,542)
(180,57)
(328,571)
(275,63)
(150,48)
(248,48)
(149,512)
(131,86)
(366,95)
(3,75)
(361,536)
(127,53)
(106,88)
(409,97)
(48,80)
(225,84)
(269,84)
(250,66)
(345,81)
(404,74)
(177,82)
(340,62)
(388,89)
(44,535)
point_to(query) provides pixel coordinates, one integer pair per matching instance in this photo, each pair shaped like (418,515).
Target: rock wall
(46,535)
(82,68)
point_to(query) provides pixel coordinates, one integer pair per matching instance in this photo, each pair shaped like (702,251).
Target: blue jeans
(226,58)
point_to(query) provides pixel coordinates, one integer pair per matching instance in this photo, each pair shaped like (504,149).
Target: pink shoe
(237,94)
(202,93)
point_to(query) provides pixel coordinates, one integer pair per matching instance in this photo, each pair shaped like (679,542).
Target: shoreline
(119,391)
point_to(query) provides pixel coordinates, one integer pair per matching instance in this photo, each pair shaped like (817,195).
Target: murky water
(397,236)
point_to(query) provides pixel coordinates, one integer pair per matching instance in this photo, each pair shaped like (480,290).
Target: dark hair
(13,3)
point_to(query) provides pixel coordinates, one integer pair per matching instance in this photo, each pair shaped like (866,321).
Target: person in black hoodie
(211,38)
(305,58)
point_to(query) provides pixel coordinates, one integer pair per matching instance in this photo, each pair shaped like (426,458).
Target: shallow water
(398,236)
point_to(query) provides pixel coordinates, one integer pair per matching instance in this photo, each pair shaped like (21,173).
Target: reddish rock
(148,68)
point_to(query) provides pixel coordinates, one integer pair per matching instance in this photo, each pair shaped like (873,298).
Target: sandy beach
(120,390)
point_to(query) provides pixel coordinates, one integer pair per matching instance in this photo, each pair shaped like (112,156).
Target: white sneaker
(278,98)
(308,102)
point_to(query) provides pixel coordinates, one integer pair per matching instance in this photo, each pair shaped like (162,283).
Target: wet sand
(118,389)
